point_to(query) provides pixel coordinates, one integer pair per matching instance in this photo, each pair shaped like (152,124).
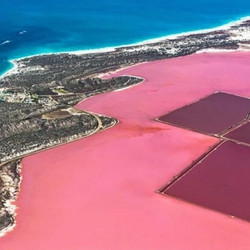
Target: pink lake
(99,193)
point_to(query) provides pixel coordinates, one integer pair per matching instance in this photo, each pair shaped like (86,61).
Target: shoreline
(113,48)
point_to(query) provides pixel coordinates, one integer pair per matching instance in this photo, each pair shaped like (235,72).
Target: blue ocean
(30,27)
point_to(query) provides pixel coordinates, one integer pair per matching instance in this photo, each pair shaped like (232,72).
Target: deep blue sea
(37,26)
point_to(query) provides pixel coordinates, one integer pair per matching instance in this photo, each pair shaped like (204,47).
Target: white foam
(22,32)
(5,42)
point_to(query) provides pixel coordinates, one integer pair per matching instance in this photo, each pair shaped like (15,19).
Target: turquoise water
(30,27)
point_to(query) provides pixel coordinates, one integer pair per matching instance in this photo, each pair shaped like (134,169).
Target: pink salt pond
(219,181)
(240,134)
(214,114)
(99,192)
